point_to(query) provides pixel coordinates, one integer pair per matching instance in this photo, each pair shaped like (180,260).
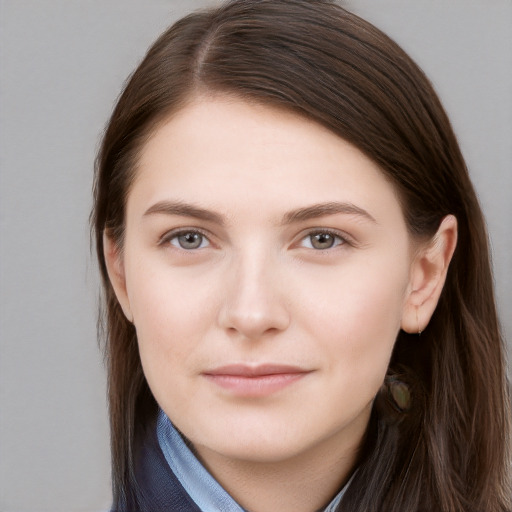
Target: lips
(255,381)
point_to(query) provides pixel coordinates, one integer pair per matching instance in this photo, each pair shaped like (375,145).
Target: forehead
(224,153)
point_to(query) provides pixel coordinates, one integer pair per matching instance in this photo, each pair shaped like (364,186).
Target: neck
(301,483)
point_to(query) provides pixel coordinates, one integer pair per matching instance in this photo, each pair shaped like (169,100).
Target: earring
(418,323)
(399,393)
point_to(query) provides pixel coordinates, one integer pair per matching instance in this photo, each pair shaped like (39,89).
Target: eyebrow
(299,215)
(184,210)
(323,209)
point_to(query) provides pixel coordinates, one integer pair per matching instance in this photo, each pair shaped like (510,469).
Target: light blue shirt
(206,492)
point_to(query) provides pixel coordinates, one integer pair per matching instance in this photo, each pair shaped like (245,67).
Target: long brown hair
(448,449)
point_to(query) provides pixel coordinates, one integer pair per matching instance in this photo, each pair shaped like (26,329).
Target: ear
(428,275)
(115,268)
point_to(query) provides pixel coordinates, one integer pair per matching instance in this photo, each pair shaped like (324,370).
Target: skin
(259,289)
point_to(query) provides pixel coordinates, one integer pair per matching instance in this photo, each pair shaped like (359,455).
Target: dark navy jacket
(158,488)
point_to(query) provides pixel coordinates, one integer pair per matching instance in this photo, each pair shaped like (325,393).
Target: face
(266,267)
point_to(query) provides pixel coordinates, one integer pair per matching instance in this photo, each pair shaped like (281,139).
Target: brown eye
(189,240)
(322,240)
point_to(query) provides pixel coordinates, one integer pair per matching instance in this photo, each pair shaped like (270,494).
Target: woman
(299,306)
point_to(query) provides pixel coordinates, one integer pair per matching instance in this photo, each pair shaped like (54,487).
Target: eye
(188,240)
(322,240)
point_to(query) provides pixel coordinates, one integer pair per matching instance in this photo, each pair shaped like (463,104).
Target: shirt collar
(200,485)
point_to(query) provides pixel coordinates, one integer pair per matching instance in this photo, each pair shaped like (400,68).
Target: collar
(201,486)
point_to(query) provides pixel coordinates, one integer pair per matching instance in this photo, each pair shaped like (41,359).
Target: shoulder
(156,488)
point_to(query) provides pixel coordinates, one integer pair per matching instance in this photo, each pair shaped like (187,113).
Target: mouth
(255,381)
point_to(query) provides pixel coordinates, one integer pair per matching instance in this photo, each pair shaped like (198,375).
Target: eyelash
(168,237)
(338,239)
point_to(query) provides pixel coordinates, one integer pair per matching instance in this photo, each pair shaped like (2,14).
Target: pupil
(323,241)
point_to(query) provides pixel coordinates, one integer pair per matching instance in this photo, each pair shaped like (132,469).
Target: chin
(257,441)
(256,450)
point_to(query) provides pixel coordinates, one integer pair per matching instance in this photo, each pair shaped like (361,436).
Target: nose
(254,303)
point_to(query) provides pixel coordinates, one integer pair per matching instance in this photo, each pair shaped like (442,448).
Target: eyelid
(173,233)
(344,237)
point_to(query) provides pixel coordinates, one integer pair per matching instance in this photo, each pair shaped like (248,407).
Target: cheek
(172,324)
(172,313)
(357,320)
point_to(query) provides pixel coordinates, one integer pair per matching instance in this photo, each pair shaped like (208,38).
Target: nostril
(255,323)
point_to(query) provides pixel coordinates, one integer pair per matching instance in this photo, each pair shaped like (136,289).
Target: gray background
(62,65)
